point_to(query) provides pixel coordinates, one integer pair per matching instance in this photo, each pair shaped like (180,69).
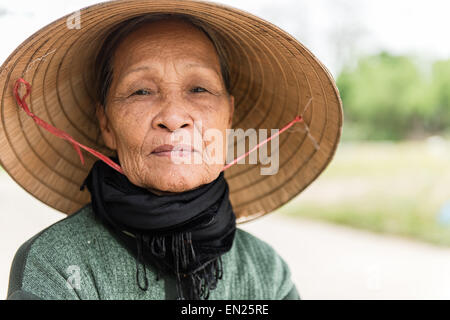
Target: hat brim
(273,78)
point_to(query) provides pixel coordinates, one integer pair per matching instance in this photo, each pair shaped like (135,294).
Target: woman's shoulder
(68,232)
(249,243)
(52,252)
(257,252)
(257,263)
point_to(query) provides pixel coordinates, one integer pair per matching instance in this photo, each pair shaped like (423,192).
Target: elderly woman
(159,225)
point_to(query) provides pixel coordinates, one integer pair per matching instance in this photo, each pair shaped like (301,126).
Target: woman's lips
(168,150)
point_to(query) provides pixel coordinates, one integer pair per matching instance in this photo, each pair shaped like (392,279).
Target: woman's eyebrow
(197,65)
(138,69)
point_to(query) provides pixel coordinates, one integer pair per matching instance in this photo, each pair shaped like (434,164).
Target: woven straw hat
(273,78)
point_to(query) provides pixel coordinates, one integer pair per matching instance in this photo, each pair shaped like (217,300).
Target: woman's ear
(107,133)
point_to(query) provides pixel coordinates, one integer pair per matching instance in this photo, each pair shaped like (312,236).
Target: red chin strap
(61,134)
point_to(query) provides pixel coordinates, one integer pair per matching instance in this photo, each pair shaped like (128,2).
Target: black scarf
(184,233)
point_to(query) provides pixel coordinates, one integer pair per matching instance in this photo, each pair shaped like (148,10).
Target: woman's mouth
(168,150)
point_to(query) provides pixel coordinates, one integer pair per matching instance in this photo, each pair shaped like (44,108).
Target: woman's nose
(173,116)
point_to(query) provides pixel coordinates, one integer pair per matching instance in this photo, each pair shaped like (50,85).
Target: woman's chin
(182,177)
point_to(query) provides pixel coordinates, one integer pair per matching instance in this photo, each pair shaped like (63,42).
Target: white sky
(334,30)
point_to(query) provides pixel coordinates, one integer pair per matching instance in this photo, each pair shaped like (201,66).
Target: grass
(392,188)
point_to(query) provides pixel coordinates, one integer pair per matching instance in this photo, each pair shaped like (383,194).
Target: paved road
(327,261)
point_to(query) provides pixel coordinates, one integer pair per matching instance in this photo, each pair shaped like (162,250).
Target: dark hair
(103,61)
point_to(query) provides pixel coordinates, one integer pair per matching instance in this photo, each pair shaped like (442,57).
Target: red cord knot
(298,119)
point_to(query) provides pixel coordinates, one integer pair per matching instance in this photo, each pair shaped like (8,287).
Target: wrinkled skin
(166,77)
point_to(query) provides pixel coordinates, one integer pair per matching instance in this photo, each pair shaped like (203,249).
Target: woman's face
(166,88)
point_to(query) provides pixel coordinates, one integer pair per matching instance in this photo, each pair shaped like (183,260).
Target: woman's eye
(141,92)
(198,90)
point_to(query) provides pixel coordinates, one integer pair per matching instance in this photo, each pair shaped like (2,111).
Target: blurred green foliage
(388,97)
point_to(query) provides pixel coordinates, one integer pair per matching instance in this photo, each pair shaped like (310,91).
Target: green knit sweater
(79,258)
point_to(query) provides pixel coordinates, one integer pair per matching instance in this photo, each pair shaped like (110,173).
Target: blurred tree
(388,97)
(439,119)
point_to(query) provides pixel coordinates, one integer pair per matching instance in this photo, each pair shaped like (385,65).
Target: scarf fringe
(140,260)
(195,285)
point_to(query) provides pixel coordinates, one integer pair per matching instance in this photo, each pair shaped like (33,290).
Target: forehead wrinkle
(143,45)
(162,44)
(178,67)
(174,51)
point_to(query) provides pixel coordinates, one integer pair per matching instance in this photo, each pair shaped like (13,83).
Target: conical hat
(274,78)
